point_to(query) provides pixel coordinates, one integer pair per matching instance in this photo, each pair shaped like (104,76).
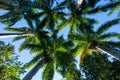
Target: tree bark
(7,35)
(112,52)
(34,70)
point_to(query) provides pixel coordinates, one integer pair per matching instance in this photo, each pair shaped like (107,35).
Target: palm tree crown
(87,39)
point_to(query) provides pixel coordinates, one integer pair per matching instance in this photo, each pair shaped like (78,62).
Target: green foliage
(10,67)
(86,36)
(48,72)
(97,67)
(45,19)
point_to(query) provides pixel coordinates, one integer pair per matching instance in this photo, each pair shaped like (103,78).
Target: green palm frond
(107,25)
(48,72)
(35,49)
(73,73)
(108,36)
(111,44)
(76,37)
(10,17)
(26,42)
(29,22)
(63,25)
(62,64)
(33,61)
(18,38)
(77,50)
(92,3)
(16,29)
(32,47)
(42,23)
(104,7)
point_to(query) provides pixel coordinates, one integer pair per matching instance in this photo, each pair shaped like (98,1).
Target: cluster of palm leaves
(45,19)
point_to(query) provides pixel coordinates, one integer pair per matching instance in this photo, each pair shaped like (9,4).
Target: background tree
(97,66)
(9,64)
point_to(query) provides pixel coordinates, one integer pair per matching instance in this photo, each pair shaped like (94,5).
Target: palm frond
(32,47)
(107,25)
(104,7)
(29,22)
(77,50)
(109,35)
(18,38)
(48,72)
(77,37)
(93,3)
(62,64)
(15,29)
(33,61)
(41,24)
(112,44)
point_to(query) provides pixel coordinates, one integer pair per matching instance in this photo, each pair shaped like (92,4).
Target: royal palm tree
(16,11)
(50,54)
(77,16)
(88,40)
(51,14)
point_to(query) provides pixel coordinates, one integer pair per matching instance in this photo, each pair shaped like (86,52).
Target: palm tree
(88,40)
(50,54)
(77,16)
(16,10)
(51,14)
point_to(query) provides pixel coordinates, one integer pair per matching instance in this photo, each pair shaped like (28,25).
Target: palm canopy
(51,13)
(16,12)
(52,50)
(34,33)
(78,16)
(86,39)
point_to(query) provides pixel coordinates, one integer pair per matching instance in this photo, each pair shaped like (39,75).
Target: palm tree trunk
(112,52)
(7,35)
(34,70)
(79,2)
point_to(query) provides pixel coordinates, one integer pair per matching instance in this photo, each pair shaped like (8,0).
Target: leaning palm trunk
(34,70)
(7,35)
(112,52)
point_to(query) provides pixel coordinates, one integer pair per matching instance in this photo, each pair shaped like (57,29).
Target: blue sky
(26,57)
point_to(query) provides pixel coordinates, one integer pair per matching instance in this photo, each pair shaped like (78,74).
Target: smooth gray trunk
(34,70)
(79,2)
(7,35)
(112,52)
